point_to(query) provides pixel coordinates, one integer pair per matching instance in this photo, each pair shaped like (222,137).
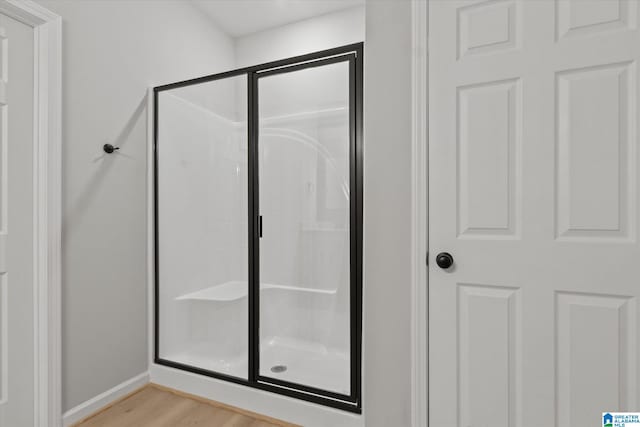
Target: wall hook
(108,148)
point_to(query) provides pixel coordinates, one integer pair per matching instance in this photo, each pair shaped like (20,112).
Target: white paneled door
(16,224)
(533,191)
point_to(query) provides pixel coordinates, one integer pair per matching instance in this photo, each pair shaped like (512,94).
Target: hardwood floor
(155,406)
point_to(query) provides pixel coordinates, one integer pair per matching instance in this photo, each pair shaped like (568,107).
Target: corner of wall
(103,400)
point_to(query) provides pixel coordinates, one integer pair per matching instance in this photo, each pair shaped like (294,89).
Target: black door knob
(444,260)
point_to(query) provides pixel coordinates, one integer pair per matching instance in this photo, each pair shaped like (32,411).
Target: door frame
(354,60)
(419,215)
(47,177)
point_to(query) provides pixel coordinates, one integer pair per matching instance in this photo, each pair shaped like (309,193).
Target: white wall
(113,51)
(387,214)
(310,35)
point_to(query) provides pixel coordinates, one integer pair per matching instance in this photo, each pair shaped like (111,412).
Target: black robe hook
(108,148)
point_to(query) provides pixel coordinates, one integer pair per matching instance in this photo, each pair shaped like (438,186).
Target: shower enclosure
(258,226)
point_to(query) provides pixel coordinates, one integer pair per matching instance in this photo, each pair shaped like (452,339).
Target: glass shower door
(306,146)
(201,227)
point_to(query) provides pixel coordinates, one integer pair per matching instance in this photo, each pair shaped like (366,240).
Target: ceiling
(241,17)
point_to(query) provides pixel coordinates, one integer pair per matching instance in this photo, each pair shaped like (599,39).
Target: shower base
(305,363)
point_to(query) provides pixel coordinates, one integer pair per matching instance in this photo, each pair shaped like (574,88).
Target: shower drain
(277,369)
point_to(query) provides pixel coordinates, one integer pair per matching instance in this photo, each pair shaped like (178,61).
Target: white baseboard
(93,405)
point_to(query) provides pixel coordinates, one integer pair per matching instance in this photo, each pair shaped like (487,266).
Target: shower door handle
(260,226)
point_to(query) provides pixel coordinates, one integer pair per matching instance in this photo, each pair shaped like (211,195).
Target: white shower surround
(313,35)
(216,315)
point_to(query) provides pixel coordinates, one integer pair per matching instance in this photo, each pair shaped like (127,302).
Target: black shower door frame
(353,54)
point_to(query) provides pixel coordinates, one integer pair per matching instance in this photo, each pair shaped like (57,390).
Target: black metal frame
(353,54)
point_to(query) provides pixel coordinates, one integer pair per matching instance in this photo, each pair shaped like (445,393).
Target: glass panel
(304,249)
(202,225)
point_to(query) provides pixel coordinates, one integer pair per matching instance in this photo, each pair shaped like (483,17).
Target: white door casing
(30,248)
(533,188)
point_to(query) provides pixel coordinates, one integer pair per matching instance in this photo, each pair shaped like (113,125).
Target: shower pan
(258,226)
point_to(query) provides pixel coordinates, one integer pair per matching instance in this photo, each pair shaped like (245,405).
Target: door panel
(16,224)
(488,318)
(533,190)
(489,139)
(595,117)
(588,378)
(201,211)
(305,119)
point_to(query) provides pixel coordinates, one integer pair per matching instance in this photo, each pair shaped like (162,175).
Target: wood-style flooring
(156,406)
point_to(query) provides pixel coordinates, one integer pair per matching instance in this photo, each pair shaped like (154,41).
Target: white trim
(419,217)
(28,12)
(47,197)
(93,405)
